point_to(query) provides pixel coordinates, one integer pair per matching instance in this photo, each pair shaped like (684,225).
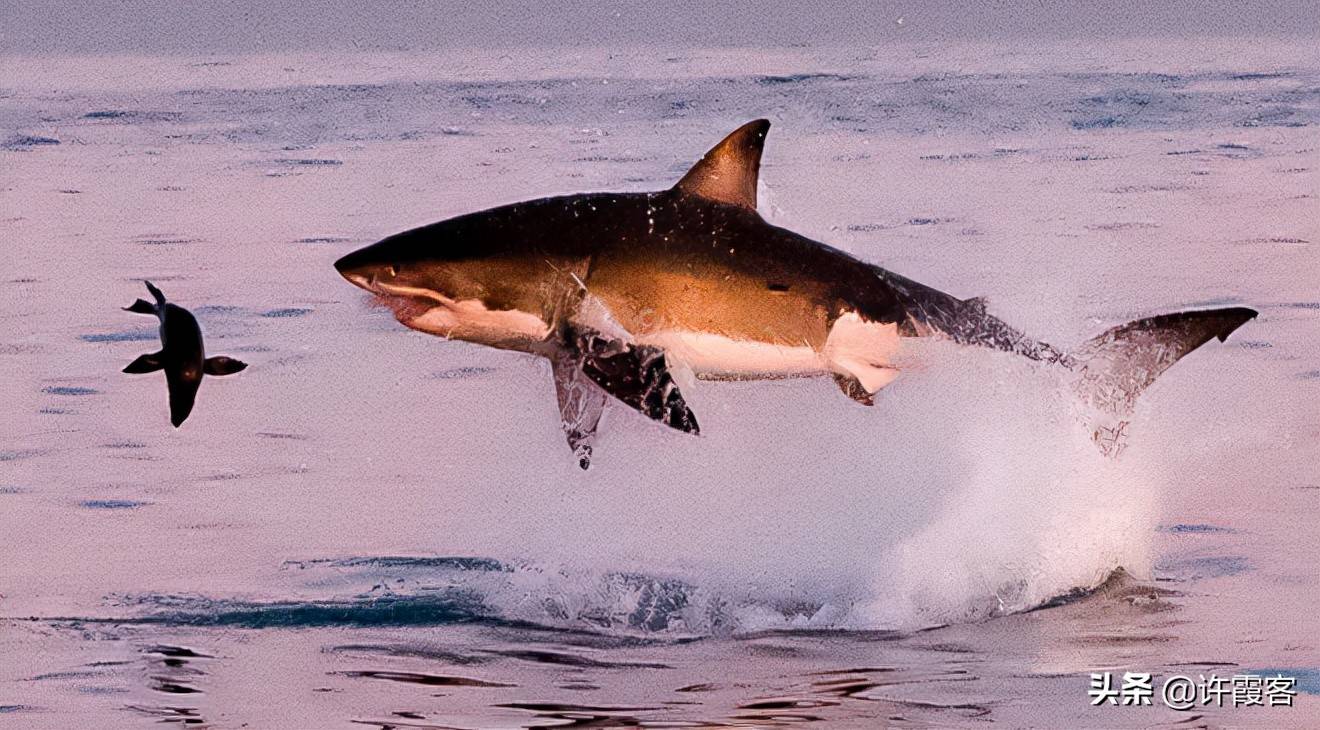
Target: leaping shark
(625,292)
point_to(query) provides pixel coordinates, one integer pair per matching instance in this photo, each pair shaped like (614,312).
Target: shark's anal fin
(581,403)
(148,363)
(638,375)
(1118,365)
(729,171)
(221,365)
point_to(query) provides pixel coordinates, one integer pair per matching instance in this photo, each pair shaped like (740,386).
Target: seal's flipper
(581,403)
(221,365)
(141,306)
(149,363)
(1115,367)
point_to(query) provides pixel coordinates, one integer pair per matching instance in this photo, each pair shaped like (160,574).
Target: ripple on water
(567,659)
(406,561)
(1214,566)
(112,504)
(16,454)
(462,372)
(1193,529)
(441,608)
(23,142)
(174,671)
(136,335)
(286,312)
(429,680)
(164,240)
(72,390)
(413,651)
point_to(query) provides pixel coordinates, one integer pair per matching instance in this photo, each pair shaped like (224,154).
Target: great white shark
(625,292)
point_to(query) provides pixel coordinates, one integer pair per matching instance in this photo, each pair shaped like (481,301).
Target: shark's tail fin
(1115,367)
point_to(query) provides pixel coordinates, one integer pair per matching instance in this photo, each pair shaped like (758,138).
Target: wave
(970,490)
(990,103)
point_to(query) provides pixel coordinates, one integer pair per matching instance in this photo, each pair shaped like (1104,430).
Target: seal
(181,355)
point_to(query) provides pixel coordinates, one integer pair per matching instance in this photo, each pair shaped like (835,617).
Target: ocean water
(374,527)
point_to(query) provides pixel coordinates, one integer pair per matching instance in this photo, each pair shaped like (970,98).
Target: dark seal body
(182,355)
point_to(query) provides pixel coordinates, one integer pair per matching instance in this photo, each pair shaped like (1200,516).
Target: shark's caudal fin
(1115,367)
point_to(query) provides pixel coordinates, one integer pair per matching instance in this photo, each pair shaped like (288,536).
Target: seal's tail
(156,293)
(142,306)
(1115,367)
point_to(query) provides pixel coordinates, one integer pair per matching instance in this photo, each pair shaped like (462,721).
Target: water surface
(372,527)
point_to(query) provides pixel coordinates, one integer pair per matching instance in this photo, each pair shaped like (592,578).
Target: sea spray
(970,489)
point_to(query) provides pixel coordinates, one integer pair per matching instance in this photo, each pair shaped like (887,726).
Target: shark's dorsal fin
(728,172)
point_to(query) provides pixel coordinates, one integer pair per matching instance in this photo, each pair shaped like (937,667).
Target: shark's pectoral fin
(636,374)
(148,363)
(221,365)
(581,403)
(594,367)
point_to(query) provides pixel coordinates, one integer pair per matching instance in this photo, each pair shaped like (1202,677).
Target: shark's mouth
(404,308)
(471,320)
(408,303)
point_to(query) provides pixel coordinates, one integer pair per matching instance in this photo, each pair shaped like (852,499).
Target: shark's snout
(362,268)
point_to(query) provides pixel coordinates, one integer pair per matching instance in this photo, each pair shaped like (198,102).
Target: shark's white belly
(854,347)
(716,356)
(864,350)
